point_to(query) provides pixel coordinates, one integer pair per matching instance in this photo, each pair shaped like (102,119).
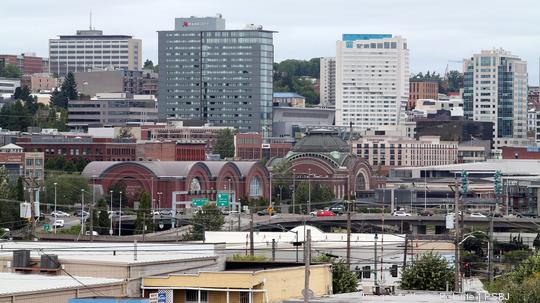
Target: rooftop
(507,167)
(288,95)
(323,141)
(116,253)
(12,283)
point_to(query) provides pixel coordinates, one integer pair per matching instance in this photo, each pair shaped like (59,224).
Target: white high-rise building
(372,80)
(495,90)
(327,89)
(91,49)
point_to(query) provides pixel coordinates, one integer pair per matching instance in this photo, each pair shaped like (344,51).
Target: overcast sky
(437,31)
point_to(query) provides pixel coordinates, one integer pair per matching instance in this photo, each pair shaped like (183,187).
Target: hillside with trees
(294,76)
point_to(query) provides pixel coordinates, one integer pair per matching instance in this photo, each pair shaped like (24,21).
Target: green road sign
(222,199)
(46,227)
(199,201)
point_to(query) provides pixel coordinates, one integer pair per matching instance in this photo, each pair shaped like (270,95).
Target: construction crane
(446,69)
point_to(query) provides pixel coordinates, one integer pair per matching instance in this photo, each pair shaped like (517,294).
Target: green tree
(455,81)
(225,144)
(10,71)
(68,190)
(290,76)
(536,242)
(430,272)
(15,116)
(68,91)
(281,179)
(9,211)
(143,214)
(148,64)
(343,279)
(319,193)
(103,220)
(125,133)
(209,218)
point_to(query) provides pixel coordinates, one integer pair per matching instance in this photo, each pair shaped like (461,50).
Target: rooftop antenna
(90,19)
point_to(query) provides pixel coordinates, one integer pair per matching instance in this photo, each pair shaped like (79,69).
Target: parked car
(401,213)
(94,233)
(265,212)
(477,215)
(58,223)
(60,214)
(426,212)
(313,213)
(325,213)
(338,209)
(81,213)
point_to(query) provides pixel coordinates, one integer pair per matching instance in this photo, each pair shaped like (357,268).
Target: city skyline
(434,37)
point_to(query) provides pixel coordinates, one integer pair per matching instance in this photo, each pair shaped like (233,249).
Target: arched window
(195,185)
(255,187)
(360,182)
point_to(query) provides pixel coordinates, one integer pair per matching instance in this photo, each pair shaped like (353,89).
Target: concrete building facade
(327,88)
(495,90)
(288,99)
(372,80)
(390,152)
(293,122)
(8,85)
(39,82)
(90,49)
(113,109)
(109,81)
(217,76)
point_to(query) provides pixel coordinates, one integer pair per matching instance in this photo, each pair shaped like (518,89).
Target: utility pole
(405,250)
(31,182)
(293,190)
(251,244)
(92,210)
(490,249)
(307,262)
(457,275)
(349,234)
(120,216)
(273,250)
(83,221)
(375,261)
(309,192)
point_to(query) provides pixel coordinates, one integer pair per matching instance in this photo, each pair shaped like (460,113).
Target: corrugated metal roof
(13,283)
(107,252)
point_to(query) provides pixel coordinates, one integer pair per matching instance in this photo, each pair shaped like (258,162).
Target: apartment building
(327,87)
(91,49)
(385,152)
(372,80)
(495,90)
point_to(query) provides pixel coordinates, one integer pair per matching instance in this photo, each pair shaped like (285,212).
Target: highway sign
(222,199)
(199,201)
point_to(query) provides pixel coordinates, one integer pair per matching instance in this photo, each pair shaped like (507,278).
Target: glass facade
(222,77)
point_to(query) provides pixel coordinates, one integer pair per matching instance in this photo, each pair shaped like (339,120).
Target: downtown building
(495,90)
(327,74)
(91,49)
(372,80)
(212,75)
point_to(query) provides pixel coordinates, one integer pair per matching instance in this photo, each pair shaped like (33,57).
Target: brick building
(421,89)
(181,150)
(175,183)
(109,149)
(27,63)
(251,146)
(179,132)
(520,153)
(18,163)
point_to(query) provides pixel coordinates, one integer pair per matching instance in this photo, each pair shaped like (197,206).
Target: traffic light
(464,182)
(366,272)
(394,270)
(497,183)
(467,267)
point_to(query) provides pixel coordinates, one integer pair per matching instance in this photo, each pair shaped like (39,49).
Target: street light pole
(112,214)
(309,192)
(55,214)
(120,216)
(293,192)
(82,210)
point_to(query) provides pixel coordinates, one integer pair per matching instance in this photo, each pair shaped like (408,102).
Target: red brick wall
(519,153)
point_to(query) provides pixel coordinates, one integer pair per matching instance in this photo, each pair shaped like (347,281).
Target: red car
(325,213)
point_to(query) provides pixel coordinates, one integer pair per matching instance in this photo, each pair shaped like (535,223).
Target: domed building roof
(321,141)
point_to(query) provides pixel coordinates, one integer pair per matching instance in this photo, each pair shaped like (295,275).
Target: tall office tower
(217,76)
(372,80)
(495,90)
(328,81)
(90,49)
